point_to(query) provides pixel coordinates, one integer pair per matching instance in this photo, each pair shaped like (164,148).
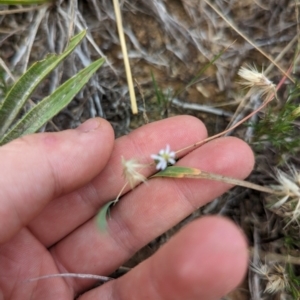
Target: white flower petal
(172,154)
(161,165)
(155,157)
(164,157)
(171,161)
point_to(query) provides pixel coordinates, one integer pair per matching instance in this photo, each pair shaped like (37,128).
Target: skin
(53,184)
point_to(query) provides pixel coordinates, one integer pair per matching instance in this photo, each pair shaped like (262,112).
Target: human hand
(52,184)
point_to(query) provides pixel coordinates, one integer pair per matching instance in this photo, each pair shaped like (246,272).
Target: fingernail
(89,125)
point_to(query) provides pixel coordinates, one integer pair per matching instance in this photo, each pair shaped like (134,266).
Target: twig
(275,256)
(73,275)
(125,56)
(198,107)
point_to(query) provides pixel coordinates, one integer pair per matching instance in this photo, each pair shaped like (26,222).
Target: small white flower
(163,158)
(130,172)
(256,81)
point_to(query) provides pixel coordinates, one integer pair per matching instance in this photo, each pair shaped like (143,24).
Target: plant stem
(234,181)
(265,103)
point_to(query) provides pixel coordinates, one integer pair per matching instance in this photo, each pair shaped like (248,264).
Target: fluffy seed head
(261,269)
(275,276)
(289,186)
(277,281)
(256,81)
(130,173)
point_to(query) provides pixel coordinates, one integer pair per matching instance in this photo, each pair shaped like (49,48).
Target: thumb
(36,168)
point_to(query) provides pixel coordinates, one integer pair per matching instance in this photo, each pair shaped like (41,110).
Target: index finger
(74,209)
(40,167)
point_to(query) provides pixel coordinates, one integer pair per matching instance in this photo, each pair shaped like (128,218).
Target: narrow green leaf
(102,215)
(158,92)
(202,70)
(23,2)
(179,172)
(185,172)
(53,104)
(23,88)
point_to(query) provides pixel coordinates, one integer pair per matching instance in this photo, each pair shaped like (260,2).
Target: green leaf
(202,70)
(158,92)
(23,88)
(23,2)
(53,104)
(179,172)
(102,215)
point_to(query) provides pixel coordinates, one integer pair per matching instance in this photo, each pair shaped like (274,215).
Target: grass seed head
(256,81)
(261,269)
(290,188)
(278,281)
(288,185)
(275,275)
(130,173)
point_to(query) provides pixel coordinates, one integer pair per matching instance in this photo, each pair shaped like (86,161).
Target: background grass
(169,42)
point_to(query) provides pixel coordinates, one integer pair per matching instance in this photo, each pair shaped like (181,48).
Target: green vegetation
(11,125)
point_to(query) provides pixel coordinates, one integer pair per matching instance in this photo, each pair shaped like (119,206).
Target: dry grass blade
(21,10)
(282,53)
(72,275)
(192,173)
(6,69)
(277,257)
(28,43)
(234,27)
(125,56)
(24,2)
